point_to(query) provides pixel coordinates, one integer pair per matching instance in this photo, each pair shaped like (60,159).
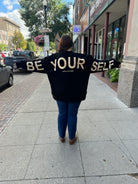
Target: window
(121,38)
(109,41)
(116,29)
(116,38)
(99,44)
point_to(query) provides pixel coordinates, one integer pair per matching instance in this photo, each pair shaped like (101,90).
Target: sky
(9,9)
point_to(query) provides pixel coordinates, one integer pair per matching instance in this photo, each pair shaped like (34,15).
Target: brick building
(109,30)
(7,28)
(101,21)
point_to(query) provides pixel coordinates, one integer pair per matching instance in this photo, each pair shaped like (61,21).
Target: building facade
(100,18)
(109,30)
(7,29)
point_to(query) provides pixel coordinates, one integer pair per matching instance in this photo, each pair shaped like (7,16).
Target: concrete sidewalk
(106,151)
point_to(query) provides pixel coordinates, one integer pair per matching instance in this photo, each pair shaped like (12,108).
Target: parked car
(19,58)
(1,59)
(7,53)
(6,75)
(2,54)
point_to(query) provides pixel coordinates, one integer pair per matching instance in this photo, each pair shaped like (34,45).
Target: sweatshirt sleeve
(102,65)
(39,65)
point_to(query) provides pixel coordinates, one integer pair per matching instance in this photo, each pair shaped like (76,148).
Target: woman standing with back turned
(68,74)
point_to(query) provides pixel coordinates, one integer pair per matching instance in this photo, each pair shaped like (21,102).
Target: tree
(30,46)
(18,40)
(3,46)
(57,17)
(52,47)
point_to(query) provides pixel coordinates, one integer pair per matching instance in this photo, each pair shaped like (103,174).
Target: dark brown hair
(65,43)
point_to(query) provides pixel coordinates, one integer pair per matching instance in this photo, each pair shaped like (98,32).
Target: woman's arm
(36,66)
(39,65)
(103,65)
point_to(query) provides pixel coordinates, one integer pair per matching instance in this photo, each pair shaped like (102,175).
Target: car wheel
(10,81)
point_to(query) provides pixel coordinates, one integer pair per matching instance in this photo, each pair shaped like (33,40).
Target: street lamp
(45,6)
(46,37)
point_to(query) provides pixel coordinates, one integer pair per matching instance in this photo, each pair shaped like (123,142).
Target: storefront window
(114,48)
(116,29)
(115,40)
(121,38)
(109,41)
(116,37)
(99,44)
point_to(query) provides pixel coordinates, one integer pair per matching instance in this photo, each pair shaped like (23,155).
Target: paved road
(11,99)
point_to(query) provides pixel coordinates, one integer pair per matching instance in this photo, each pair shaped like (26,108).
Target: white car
(6,53)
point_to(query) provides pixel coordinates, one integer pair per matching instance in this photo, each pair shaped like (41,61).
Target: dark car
(6,75)
(19,58)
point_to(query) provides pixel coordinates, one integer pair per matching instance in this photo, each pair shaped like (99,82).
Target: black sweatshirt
(68,73)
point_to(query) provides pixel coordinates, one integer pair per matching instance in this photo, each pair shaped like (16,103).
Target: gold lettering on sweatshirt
(81,62)
(100,66)
(69,63)
(104,68)
(38,65)
(94,66)
(64,63)
(30,66)
(111,63)
(54,64)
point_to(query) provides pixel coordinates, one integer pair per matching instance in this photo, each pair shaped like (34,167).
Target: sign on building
(76,29)
(95,10)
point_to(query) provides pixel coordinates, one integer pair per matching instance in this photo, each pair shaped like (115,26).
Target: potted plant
(39,40)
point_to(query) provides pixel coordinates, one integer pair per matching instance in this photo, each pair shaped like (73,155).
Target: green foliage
(52,47)
(32,12)
(18,40)
(3,46)
(27,46)
(30,46)
(113,74)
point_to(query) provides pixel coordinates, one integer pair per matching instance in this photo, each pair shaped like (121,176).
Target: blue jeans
(67,116)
